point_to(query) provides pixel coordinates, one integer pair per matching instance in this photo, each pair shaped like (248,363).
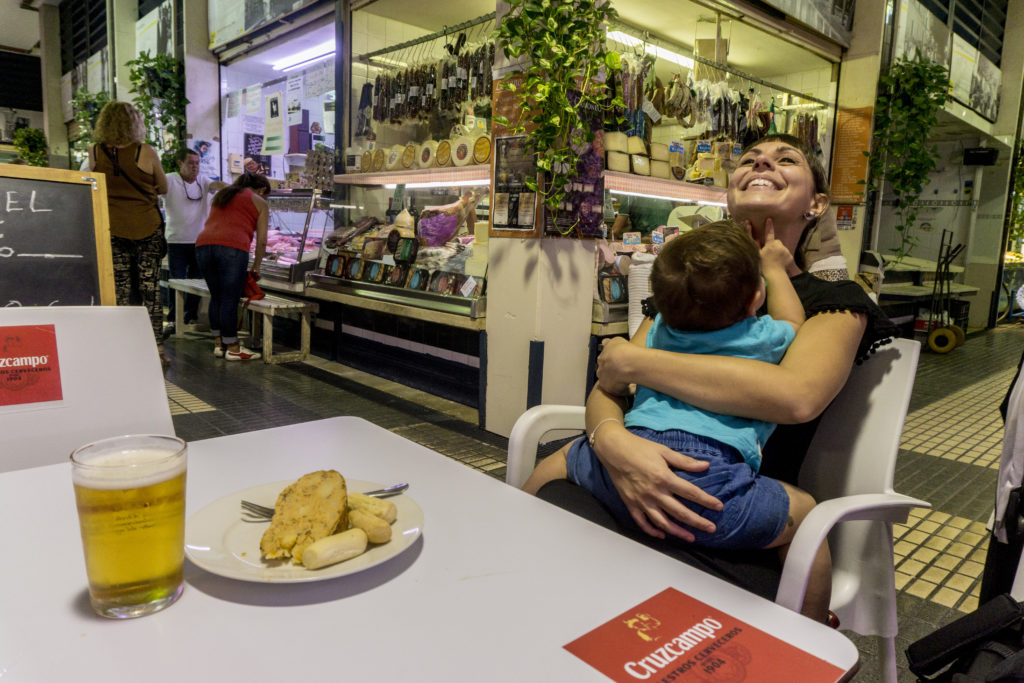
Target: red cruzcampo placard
(672,637)
(29,369)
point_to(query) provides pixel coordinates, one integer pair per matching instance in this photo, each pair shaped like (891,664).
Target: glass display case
(409,238)
(298,222)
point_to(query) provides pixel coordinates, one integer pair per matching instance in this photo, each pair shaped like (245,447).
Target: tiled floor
(949,453)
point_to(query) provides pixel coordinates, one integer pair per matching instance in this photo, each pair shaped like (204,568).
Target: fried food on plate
(310,509)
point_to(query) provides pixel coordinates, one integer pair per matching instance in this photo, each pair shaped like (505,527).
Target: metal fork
(254,512)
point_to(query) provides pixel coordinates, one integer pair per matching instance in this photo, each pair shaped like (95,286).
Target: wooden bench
(262,324)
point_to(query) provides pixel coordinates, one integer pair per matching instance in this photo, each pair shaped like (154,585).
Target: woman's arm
(641,470)
(261,232)
(152,160)
(796,390)
(813,371)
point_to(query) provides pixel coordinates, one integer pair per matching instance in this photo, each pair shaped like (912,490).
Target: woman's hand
(642,472)
(614,362)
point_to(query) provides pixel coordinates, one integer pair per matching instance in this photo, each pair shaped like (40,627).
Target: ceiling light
(389,62)
(304,57)
(660,52)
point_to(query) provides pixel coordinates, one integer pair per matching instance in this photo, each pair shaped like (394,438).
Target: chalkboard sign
(54,238)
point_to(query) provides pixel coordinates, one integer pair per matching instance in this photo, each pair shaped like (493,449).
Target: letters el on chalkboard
(54,238)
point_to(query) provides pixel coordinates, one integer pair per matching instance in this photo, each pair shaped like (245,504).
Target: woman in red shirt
(237,213)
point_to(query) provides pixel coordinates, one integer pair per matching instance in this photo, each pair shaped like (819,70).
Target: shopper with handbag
(135,178)
(238,213)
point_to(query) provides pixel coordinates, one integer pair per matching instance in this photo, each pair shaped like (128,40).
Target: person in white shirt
(186,205)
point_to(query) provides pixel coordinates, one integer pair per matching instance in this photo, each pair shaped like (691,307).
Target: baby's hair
(704,279)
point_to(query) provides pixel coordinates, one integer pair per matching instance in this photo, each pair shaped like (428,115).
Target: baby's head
(705,279)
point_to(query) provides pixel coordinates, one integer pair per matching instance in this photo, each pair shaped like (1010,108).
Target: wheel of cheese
(394,157)
(366,162)
(409,154)
(659,151)
(640,164)
(428,154)
(378,160)
(444,153)
(618,161)
(615,142)
(462,151)
(482,149)
(635,145)
(660,169)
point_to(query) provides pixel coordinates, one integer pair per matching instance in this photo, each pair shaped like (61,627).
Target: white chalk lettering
(32,204)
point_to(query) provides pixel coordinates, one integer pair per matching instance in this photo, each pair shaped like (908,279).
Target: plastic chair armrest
(888,507)
(527,432)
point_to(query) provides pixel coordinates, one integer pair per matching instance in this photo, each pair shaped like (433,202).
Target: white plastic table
(496,585)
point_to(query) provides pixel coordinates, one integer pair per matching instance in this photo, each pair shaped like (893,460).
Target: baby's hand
(774,253)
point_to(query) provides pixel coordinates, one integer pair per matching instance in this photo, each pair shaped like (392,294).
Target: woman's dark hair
(251,181)
(704,279)
(821,185)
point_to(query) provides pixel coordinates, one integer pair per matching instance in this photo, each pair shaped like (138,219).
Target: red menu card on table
(672,637)
(29,371)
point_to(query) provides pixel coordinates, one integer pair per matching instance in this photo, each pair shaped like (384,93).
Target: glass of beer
(130,492)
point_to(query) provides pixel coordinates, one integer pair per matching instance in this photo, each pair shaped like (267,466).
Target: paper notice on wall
(209,157)
(254,162)
(329,106)
(273,125)
(293,96)
(253,102)
(234,104)
(319,79)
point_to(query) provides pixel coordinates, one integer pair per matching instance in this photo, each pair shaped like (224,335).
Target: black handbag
(986,645)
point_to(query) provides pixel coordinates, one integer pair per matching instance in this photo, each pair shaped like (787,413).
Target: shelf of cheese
(675,190)
(456,175)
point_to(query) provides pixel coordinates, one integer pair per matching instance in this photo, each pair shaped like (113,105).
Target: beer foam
(128,468)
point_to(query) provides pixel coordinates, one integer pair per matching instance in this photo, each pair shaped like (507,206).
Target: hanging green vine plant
(31,146)
(910,94)
(87,106)
(159,86)
(566,62)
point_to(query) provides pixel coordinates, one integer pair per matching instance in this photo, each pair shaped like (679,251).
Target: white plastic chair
(111,380)
(848,469)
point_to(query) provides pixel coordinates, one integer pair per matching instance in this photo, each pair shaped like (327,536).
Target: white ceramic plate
(217,539)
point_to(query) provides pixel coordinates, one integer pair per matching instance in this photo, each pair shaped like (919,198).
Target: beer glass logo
(643,625)
(29,372)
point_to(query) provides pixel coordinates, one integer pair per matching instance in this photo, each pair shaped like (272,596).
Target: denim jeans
(181,262)
(224,269)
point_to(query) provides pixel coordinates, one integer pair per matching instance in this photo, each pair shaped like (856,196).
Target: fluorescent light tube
(301,57)
(660,52)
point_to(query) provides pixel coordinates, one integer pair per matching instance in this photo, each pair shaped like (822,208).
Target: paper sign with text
(29,369)
(672,637)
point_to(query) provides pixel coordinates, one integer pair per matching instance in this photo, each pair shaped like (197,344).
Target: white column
(53,111)
(537,290)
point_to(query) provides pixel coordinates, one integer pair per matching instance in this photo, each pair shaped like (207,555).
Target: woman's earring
(810,215)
